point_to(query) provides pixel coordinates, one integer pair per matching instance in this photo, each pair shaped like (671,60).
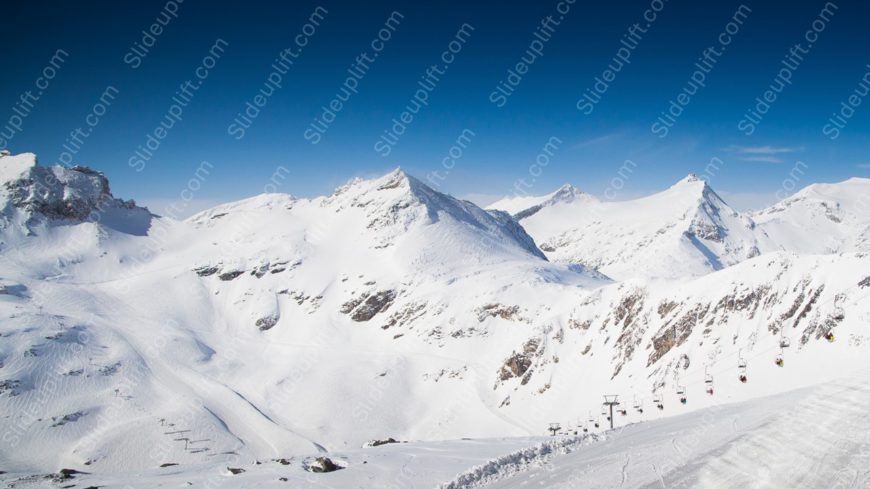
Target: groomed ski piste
(814,438)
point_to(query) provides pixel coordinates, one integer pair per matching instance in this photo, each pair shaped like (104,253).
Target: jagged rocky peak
(697,189)
(690,178)
(76,193)
(567,193)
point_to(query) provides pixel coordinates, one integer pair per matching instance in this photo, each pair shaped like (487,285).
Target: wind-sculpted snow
(511,464)
(283,328)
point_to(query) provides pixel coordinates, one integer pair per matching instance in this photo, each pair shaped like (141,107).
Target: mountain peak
(566,192)
(690,179)
(394,179)
(76,194)
(14,167)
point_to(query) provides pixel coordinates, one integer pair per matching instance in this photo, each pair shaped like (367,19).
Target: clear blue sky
(99,37)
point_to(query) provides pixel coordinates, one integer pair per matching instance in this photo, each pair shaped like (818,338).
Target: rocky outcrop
(267,322)
(76,193)
(367,305)
(497,310)
(519,364)
(323,465)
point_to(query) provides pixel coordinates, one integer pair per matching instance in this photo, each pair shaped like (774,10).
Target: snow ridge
(518,461)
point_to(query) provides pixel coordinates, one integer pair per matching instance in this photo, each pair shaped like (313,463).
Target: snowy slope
(811,438)
(526,205)
(821,218)
(687,230)
(814,438)
(283,327)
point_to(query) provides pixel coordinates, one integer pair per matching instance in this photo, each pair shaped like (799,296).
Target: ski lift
(623,412)
(783,344)
(605,413)
(708,381)
(555,427)
(681,391)
(741,368)
(829,336)
(637,406)
(657,400)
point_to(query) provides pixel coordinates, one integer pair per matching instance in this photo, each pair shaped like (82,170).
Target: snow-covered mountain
(278,327)
(821,218)
(524,206)
(687,230)
(31,195)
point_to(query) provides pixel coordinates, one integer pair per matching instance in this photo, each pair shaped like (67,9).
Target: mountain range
(279,326)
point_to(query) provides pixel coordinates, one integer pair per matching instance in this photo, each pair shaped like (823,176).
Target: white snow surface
(278,327)
(821,218)
(688,230)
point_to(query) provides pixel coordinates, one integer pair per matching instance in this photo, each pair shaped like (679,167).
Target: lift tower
(610,401)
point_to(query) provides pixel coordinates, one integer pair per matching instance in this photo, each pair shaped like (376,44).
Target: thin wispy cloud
(863,166)
(763,154)
(599,140)
(763,159)
(765,150)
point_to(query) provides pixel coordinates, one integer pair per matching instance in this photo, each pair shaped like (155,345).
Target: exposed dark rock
(497,310)
(266,323)
(260,271)
(110,369)
(235,471)
(11,386)
(206,270)
(665,308)
(809,306)
(230,275)
(66,474)
(676,332)
(323,465)
(864,283)
(372,305)
(168,464)
(519,364)
(581,325)
(68,418)
(377,443)
(350,305)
